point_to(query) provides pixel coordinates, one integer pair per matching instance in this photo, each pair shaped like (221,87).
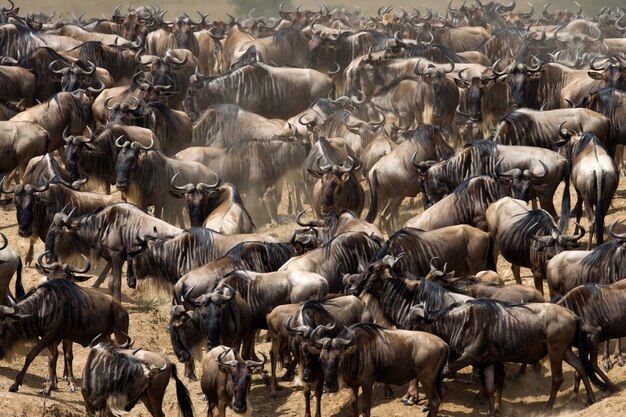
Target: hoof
(14,388)
(607,366)
(620,361)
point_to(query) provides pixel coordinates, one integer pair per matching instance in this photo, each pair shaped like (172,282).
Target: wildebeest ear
(594,75)
(81,278)
(227,369)
(561,142)
(350,350)
(313,349)
(461,83)
(314,173)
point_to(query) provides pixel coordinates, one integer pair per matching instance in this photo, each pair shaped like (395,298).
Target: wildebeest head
(304,240)
(74,147)
(475,87)
(182,28)
(520,181)
(135,23)
(436,79)
(200,199)
(79,75)
(555,243)
(6,13)
(331,352)
(212,311)
(127,159)
(55,270)
(163,68)
(8,318)
(333,177)
(613,74)
(519,77)
(125,113)
(386,268)
(25,200)
(240,372)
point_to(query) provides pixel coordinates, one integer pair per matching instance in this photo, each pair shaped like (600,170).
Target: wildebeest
(526,237)
(601,309)
(365,353)
(595,179)
(19,143)
(465,249)
(251,256)
(332,315)
(108,232)
(226,379)
(604,264)
(344,254)
(58,310)
(115,379)
(215,206)
(170,257)
(269,91)
(516,333)
(218,318)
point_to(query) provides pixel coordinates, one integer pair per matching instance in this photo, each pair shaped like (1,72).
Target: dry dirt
(525,396)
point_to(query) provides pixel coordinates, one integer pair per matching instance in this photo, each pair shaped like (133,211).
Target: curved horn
(119,144)
(95,339)
(99,89)
(303,330)
(202,186)
(545,171)
(129,341)
(5,241)
(108,101)
(51,67)
(312,223)
(614,235)
(330,73)
(139,145)
(253,364)
(75,270)
(185,188)
(45,266)
(579,236)
(593,66)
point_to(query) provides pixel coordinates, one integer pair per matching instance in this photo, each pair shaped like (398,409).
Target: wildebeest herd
(226,126)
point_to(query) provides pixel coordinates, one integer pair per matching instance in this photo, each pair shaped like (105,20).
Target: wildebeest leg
(593,357)
(590,221)
(31,250)
(538,279)
(102,275)
(545,200)
(115,283)
(43,342)
(556,368)
(247,350)
(412,394)
(52,369)
(306,391)
(516,273)
(354,400)
(618,353)
(521,371)
(221,409)
(578,208)
(68,371)
(460,363)
(319,391)
(606,357)
(500,374)
(573,361)
(367,398)
(190,369)
(271,204)
(490,388)
(273,360)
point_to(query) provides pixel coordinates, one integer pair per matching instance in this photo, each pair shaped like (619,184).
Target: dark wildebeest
(344,254)
(171,257)
(269,91)
(595,179)
(525,237)
(337,187)
(226,380)
(215,206)
(527,166)
(218,318)
(365,353)
(10,264)
(109,233)
(58,310)
(333,315)
(521,333)
(252,256)
(601,309)
(465,249)
(611,103)
(115,379)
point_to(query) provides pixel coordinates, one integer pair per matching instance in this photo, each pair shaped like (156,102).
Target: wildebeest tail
(19,289)
(440,386)
(599,214)
(182,395)
(565,202)
(371,214)
(580,342)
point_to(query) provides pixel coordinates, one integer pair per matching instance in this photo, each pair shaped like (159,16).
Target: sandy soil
(524,396)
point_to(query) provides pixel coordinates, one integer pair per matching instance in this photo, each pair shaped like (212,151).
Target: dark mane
(370,329)
(435,53)
(586,139)
(313,314)
(287,37)
(603,264)
(260,256)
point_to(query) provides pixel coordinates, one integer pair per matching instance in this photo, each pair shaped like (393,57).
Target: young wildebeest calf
(226,380)
(116,379)
(366,353)
(595,179)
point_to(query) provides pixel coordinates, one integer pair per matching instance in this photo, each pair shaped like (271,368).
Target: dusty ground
(522,397)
